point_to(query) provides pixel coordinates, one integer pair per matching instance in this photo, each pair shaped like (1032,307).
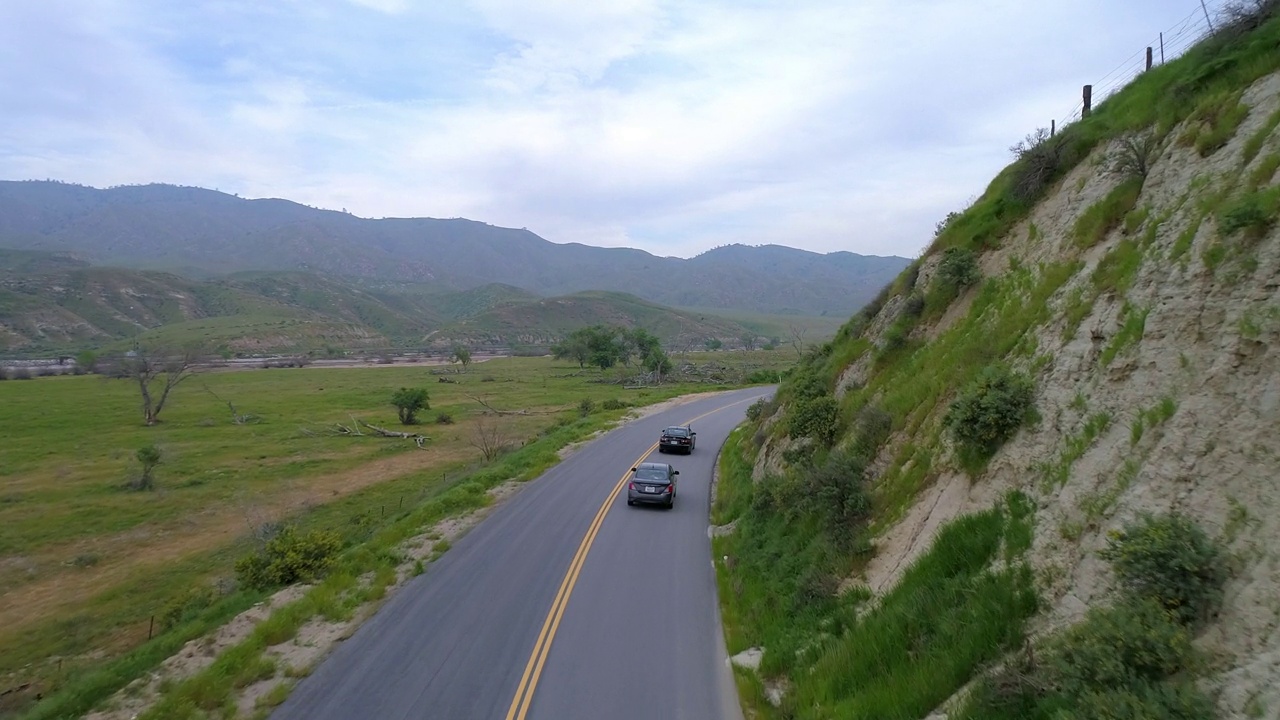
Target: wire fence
(1168,45)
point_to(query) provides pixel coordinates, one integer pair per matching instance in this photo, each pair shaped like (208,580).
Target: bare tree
(489,436)
(237,417)
(1240,16)
(1134,156)
(749,341)
(157,373)
(797,332)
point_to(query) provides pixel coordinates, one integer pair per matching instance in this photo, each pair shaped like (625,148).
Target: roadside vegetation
(254,479)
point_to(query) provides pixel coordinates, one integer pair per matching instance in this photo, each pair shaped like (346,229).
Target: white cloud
(672,126)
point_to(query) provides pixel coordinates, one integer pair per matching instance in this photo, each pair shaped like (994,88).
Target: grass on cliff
(959,606)
(779,588)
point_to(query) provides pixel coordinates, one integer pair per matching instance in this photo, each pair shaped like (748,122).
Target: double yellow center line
(533,669)
(523,699)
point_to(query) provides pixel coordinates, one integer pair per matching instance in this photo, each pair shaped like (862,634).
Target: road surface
(563,604)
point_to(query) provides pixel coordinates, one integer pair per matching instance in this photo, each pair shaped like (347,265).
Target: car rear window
(651,474)
(677,432)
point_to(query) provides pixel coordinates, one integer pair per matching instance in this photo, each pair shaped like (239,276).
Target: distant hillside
(201,233)
(544,321)
(55,303)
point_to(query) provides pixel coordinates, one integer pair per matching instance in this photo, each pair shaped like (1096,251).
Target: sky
(672,126)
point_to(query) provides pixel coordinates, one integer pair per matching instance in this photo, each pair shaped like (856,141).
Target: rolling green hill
(55,303)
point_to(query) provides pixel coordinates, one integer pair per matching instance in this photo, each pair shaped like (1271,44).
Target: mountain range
(202,234)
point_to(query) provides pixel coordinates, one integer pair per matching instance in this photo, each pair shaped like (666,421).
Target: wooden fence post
(1053,128)
(1088,101)
(1148,58)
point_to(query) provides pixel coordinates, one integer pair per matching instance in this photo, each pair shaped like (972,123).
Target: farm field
(90,569)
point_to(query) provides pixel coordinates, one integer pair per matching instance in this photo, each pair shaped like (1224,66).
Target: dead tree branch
(490,438)
(236,417)
(354,430)
(491,410)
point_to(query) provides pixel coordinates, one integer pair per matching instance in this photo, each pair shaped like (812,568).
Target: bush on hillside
(1132,661)
(1041,160)
(1127,662)
(990,410)
(871,428)
(1169,559)
(817,418)
(837,492)
(289,557)
(959,267)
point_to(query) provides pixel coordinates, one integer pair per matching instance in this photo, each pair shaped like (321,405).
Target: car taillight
(631,486)
(667,489)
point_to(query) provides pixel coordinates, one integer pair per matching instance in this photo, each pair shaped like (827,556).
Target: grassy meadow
(86,563)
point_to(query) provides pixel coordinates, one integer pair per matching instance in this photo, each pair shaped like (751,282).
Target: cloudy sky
(670,125)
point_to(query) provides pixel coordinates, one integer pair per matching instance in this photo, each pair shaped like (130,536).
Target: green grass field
(86,563)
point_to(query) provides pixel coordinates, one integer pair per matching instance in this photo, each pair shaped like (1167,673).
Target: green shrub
(149,457)
(818,418)
(1143,701)
(756,409)
(871,428)
(1254,213)
(990,410)
(1128,662)
(914,305)
(289,557)
(1170,560)
(613,404)
(1118,646)
(959,267)
(586,407)
(839,490)
(444,418)
(806,384)
(408,401)
(186,606)
(762,377)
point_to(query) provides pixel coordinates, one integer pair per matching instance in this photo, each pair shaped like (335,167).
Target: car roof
(677,427)
(653,466)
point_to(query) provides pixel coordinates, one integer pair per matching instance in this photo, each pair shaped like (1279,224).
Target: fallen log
(418,438)
(354,430)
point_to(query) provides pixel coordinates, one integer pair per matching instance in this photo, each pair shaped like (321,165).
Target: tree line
(605,346)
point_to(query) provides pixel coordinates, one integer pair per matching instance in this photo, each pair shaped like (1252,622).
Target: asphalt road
(558,606)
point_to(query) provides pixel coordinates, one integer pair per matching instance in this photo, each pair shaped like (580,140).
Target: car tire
(631,503)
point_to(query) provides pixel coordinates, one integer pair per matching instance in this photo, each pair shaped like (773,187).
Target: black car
(680,438)
(653,484)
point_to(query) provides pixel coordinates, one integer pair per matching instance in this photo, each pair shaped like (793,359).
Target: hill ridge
(205,233)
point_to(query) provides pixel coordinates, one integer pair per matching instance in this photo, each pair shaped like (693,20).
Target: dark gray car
(652,484)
